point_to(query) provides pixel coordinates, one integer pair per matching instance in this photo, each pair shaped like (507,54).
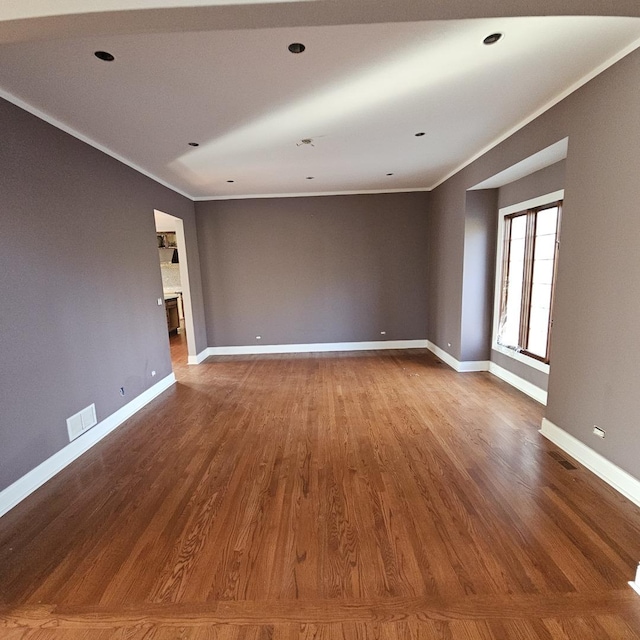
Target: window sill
(520,357)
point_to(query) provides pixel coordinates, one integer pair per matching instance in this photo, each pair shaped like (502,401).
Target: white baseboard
(456,365)
(443,355)
(485,365)
(613,475)
(201,357)
(316,347)
(35,478)
(519,383)
(470,366)
(636,585)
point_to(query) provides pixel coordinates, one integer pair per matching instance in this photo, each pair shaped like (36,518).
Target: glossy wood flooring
(327,496)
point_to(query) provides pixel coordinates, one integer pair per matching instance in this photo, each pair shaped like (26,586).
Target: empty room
(320,320)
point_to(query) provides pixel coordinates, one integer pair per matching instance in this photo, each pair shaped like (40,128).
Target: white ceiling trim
(92,143)
(314,194)
(536,114)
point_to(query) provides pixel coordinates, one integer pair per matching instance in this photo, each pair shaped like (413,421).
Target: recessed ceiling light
(493,38)
(418,135)
(194,144)
(296,47)
(230,180)
(310,177)
(104,55)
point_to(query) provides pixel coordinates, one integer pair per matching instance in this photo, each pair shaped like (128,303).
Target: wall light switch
(160,303)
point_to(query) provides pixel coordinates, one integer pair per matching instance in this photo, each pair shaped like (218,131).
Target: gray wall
(79,281)
(596,340)
(308,270)
(539,183)
(478,278)
(595,337)
(446,261)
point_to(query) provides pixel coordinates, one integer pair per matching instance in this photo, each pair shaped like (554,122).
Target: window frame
(535,204)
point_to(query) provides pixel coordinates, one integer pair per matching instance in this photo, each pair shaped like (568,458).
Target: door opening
(174,265)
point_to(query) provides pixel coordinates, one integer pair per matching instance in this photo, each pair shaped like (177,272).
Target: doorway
(174,265)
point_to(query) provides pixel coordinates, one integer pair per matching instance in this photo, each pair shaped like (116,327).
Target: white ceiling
(361,91)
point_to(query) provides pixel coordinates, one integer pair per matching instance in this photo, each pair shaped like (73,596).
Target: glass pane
(518,227)
(546,221)
(509,332)
(542,281)
(517,250)
(538,319)
(543,271)
(545,247)
(538,343)
(540,297)
(510,327)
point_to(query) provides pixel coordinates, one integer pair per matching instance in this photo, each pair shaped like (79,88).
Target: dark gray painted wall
(595,339)
(309,270)
(540,183)
(446,260)
(80,278)
(478,280)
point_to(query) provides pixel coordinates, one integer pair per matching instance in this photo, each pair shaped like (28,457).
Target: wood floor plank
(352,495)
(246,612)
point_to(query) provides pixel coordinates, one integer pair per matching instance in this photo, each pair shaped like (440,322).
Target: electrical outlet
(153,374)
(383,333)
(597,431)
(160,302)
(258,337)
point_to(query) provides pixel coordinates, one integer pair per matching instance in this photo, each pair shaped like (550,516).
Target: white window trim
(549,198)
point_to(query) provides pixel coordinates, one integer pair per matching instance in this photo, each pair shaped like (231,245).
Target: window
(529,257)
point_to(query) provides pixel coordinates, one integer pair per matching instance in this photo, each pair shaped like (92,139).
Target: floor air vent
(560,459)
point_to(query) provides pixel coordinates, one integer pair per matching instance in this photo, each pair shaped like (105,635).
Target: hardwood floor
(366,495)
